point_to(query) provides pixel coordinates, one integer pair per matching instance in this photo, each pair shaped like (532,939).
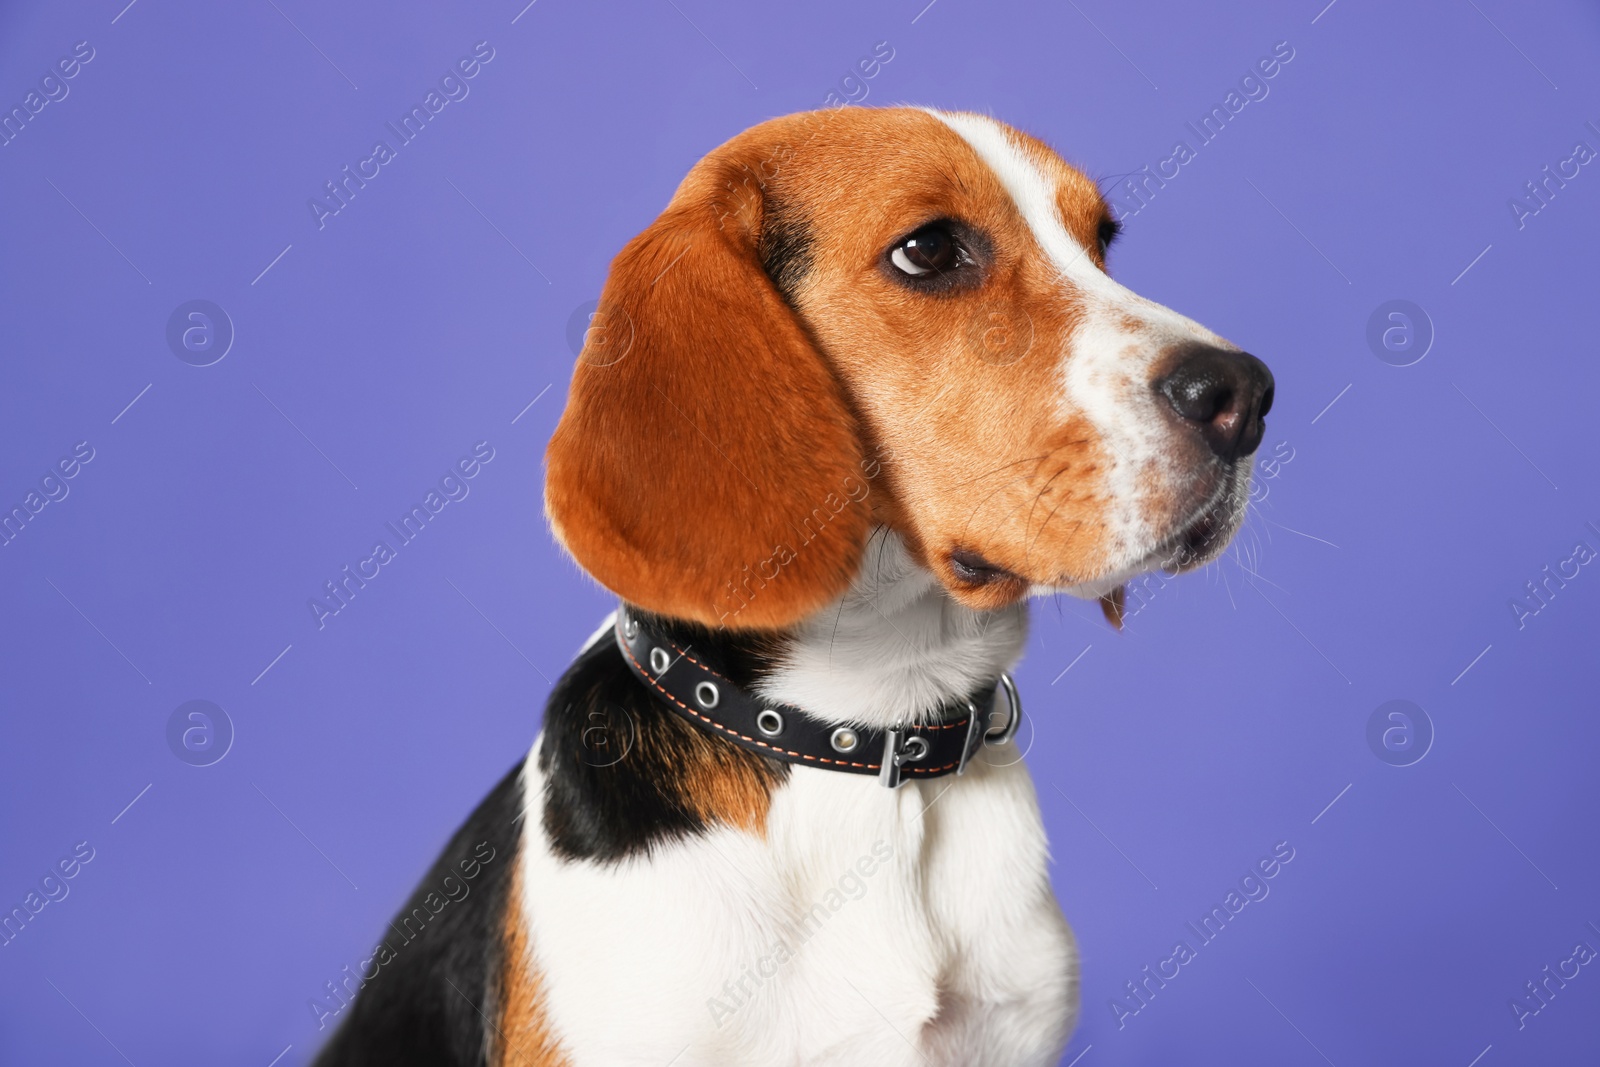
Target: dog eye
(1109,229)
(931,250)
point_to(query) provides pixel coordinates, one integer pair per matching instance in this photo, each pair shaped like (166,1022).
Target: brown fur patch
(522,1035)
(959,389)
(703,447)
(716,781)
(738,414)
(711,779)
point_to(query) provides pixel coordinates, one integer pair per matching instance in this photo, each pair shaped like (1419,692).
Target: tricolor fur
(838,476)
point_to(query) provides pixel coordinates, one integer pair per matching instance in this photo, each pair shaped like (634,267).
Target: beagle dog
(861,390)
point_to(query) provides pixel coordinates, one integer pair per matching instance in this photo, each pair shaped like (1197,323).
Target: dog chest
(861,919)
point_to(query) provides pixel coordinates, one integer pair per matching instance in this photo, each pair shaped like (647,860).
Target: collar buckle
(900,747)
(975,735)
(691,686)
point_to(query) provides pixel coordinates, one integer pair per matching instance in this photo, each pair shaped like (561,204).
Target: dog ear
(707,466)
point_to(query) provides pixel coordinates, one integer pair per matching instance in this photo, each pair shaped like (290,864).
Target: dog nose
(1224,394)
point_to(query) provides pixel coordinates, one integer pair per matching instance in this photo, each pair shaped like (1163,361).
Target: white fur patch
(873,927)
(893,648)
(608,624)
(912,927)
(885,928)
(1107,373)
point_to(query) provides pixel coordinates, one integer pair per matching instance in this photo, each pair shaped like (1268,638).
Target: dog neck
(893,649)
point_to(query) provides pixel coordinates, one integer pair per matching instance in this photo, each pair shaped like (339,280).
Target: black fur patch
(785,249)
(426,1005)
(614,756)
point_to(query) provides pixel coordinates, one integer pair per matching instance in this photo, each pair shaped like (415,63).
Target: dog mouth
(1200,536)
(1205,536)
(1201,541)
(1203,532)
(1197,541)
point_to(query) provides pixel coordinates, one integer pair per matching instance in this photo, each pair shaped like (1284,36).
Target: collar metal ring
(1004,734)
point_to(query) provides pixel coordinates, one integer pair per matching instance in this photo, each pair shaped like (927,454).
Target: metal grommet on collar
(946,740)
(844,740)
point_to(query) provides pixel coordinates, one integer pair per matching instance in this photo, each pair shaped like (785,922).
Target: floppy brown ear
(706,466)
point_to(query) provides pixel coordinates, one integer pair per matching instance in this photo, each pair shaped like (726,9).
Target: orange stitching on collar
(754,741)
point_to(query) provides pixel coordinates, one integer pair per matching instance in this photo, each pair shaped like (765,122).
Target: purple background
(430,312)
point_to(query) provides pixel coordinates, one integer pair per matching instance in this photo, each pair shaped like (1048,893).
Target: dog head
(892,317)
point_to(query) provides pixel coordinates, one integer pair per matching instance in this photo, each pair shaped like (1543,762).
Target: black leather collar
(709,700)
